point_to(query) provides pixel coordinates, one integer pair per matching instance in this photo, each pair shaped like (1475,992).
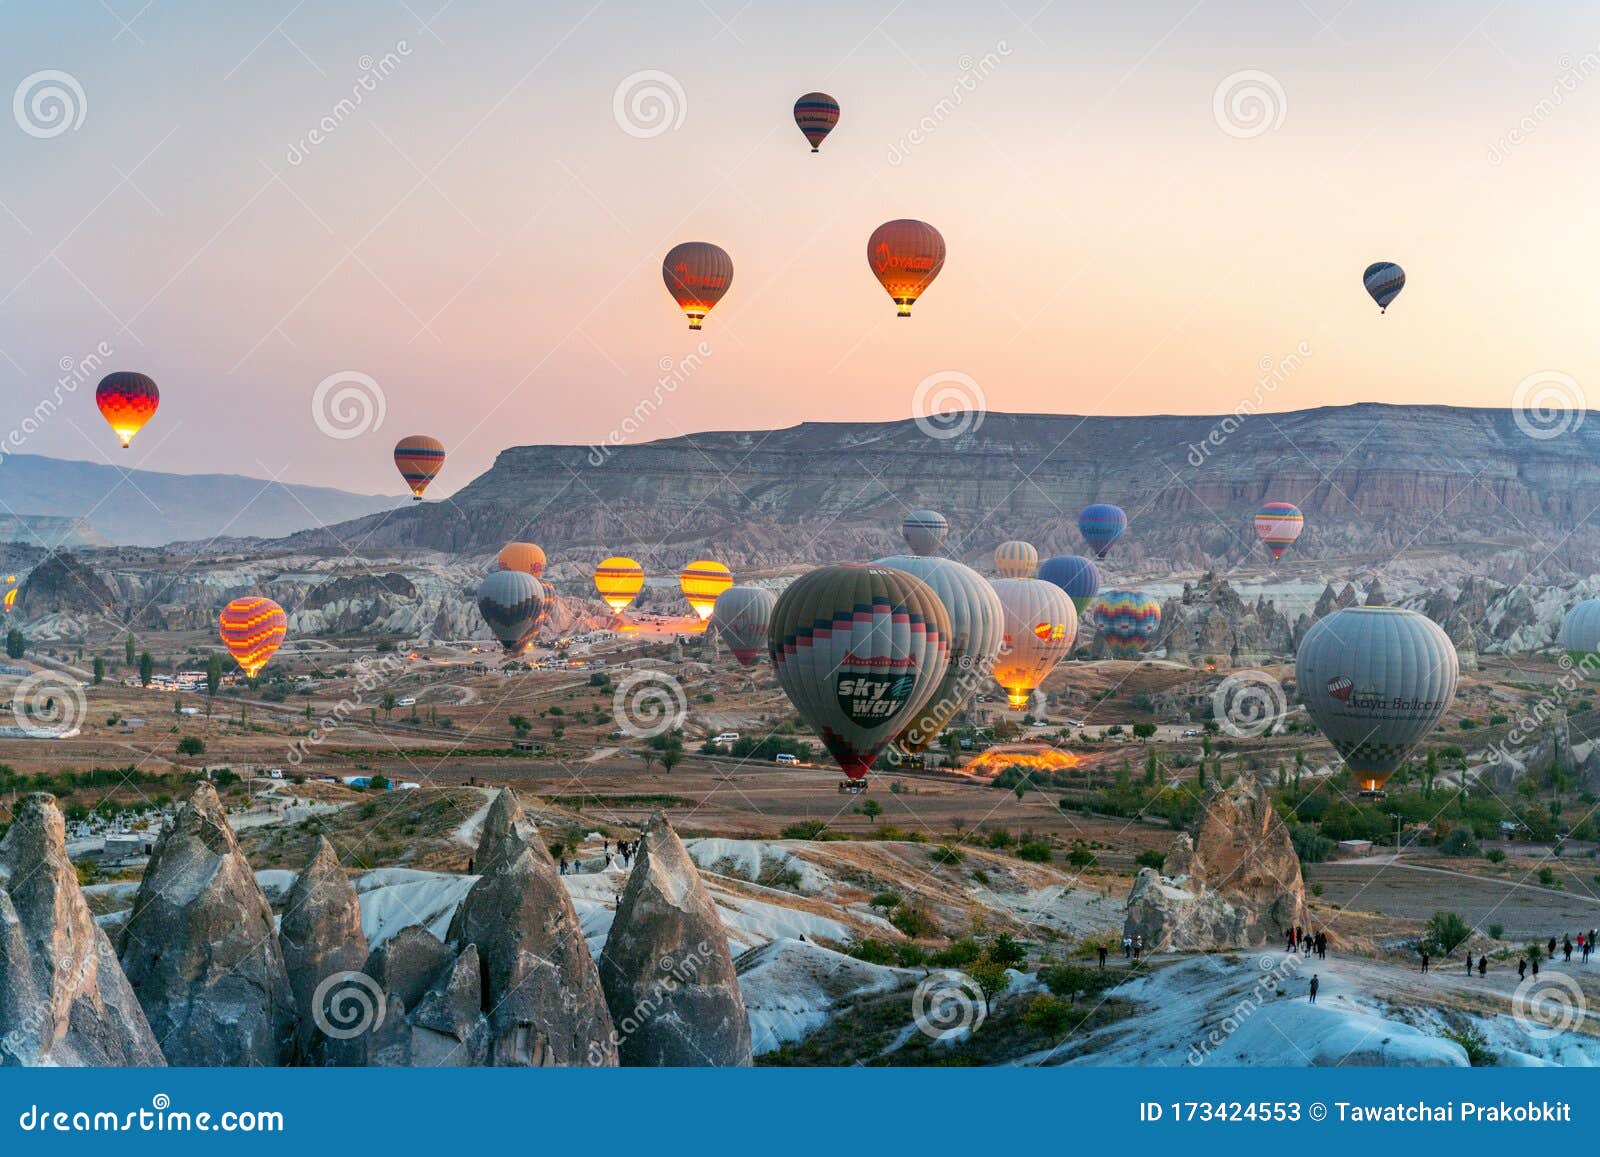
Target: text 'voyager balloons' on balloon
(1383,281)
(1041,627)
(419,459)
(619,581)
(1376,680)
(858,650)
(816,113)
(1101,524)
(1074,574)
(925,531)
(1128,621)
(127,401)
(1278,524)
(252,628)
(701,582)
(697,274)
(976,622)
(905,256)
(521,556)
(1016,559)
(741,618)
(513,603)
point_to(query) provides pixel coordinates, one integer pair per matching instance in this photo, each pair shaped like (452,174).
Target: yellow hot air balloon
(702,581)
(523,556)
(619,581)
(11,599)
(1016,560)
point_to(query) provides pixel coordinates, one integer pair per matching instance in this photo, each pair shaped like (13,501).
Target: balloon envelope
(1376,680)
(127,401)
(1278,524)
(521,556)
(418,458)
(1016,559)
(1101,524)
(1383,281)
(252,628)
(741,618)
(905,256)
(1074,574)
(697,274)
(701,582)
(1041,626)
(858,650)
(816,113)
(512,602)
(1580,637)
(619,581)
(1129,621)
(925,531)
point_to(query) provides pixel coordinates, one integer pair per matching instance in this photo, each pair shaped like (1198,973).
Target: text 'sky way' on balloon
(513,603)
(858,650)
(521,556)
(905,256)
(1580,638)
(976,623)
(697,274)
(252,628)
(1041,626)
(1016,559)
(1383,281)
(127,401)
(701,582)
(1128,621)
(418,458)
(1278,524)
(1101,524)
(816,113)
(741,618)
(925,531)
(619,581)
(1075,575)
(1376,680)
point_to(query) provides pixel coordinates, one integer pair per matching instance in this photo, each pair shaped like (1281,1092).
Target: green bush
(1459,843)
(1151,859)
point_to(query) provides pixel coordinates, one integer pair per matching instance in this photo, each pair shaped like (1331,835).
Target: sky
(458,214)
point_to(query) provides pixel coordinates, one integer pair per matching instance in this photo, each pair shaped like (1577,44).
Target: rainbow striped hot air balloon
(1383,281)
(816,113)
(127,401)
(418,458)
(619,581)
(697,274)
(701,582)
(1016,559)
(1278,524)
(1101,524)
(1128,621)
(252,629)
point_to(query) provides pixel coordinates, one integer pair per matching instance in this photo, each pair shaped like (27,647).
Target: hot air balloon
(127,401)
(816,113)
(697,274)
(1101,524)
(419,458)
(1129,621)
(976,623)
(1376,680)
(521,556)
(252,629)
(925,531)
(905,257)
(1278,524)
(1384,281)
(1016,559)
(701,582)
(858,650)
(741,618)
(1040,629)
(1580,637)
(619,581)
(512,602)
(1075,575)
(10,599)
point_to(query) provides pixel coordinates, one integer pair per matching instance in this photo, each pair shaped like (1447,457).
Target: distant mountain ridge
(53,502)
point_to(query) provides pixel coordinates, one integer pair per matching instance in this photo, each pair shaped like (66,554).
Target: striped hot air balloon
(925,531)
(418,458)
(741,619)
(859,650)
(513,603)
(1016,559)
(1041,626)
(1128,621)
(1278,524)
(816,113)
(701,582)
(1075,575)
(697,274)
(521,556)
(127,401)
(619,581)
(905,256)
(1384,280)
(1101,524)
(252,629)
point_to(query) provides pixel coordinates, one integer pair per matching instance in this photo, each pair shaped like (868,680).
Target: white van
(408,701)
(726,737)
(785,758)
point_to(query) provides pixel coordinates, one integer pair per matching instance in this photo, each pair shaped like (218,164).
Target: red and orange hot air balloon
(419,458)
(816,113)
(252,628)
(697,274)
(127,401)
(524,556)
(905,257)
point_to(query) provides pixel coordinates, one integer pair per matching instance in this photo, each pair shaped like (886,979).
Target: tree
(387,703)
(16,644)
(147,669)
(99,670)
(379,783)
(1143,730)
(1152,768)
(991,978)
(872,809)
(127,649)
(648,754)
(213,673)
(521,724)
(1447,931)
(191,745)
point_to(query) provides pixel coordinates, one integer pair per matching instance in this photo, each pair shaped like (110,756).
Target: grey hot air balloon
(976,622)
(740,618)
(512,602)
(1580,637)
(1376,680)
(925,531)
(859,650)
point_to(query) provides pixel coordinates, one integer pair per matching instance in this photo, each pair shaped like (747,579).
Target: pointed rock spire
(321,937)
(506,828)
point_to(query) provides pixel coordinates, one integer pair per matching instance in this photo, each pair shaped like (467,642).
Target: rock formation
(63,997)
(429,1011)
(64,585)
(668,978)
(321,937)
(1210,623)
(201,951)
(1233,882)
(505,829)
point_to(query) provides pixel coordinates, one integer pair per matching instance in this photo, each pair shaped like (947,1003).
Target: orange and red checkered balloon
(127,401)
(252,628)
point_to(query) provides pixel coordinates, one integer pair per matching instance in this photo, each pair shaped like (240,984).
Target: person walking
(1102,955)
(563,865)
(1550,949)
(1522,968)
(1311,991)
(1322,945)
(1566,949)
(1536,968)
(1127,947)
(1424,960)
(1483,965)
